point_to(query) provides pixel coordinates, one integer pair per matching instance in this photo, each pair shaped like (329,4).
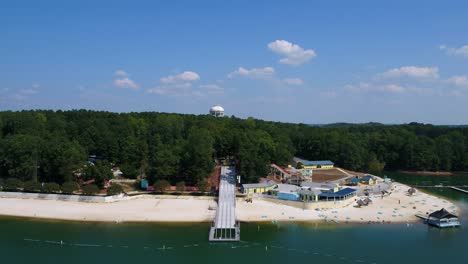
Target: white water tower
(217,111)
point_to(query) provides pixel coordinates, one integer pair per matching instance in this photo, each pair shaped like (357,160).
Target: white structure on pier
(224,227)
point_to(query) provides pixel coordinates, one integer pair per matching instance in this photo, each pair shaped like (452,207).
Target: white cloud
(123,80)
(157,90)
(458,80)
(393,88)
(121,73)
(293,53)
(461,51)
(412,72)
(253,73)
(186,76)
(368,87)
(177,85)
(126,83)
(212,88)
(293,81)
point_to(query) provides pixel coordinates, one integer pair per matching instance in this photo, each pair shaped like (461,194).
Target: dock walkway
(458,189)
(225,227)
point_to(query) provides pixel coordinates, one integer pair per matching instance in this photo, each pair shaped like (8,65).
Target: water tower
(217,111)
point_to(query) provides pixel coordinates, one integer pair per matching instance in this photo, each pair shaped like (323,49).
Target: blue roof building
(340,195)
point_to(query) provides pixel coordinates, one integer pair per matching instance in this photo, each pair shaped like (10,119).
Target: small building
(309,195)
(279,172)
(352,181)
(368,179)
(251,188)
(340,195)
(313,164)
(324,187)
(144,184)
(443,218)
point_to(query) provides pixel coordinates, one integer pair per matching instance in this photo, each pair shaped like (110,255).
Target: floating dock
(224,227)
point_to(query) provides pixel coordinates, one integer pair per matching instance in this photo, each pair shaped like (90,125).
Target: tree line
(53,146)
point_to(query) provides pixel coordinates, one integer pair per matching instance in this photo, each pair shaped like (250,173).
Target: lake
(39,241)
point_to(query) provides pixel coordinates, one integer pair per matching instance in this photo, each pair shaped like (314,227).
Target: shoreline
(394,209)
(427,173)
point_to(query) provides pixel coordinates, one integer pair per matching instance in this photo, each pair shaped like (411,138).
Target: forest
(51,146)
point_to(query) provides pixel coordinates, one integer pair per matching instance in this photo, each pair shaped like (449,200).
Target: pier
(458,189)
(224,227)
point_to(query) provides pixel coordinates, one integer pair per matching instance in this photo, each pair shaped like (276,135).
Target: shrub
(32,186)
(180,186)
(69,187)
(202,186)
(12,184)
(51,187)
(161,185)
(114,189)
(90,189)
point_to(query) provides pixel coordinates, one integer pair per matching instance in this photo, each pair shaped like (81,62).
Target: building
(279,172)
(340,195)
(309,195)
(313,164)
(217,111)
(352,181)
(313,192)
(368,179)
(252,188)
(443,218)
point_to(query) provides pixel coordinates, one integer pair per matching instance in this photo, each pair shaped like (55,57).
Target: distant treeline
(48,146)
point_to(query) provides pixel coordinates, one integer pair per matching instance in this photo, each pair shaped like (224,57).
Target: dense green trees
(52,146)
(100,172)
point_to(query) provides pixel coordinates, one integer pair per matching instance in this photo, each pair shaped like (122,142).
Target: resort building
(309,195)
(259,188)
(443,218)
(279,172)
(312,192)
(340,195)
(315,164)
(368,179)
(352,181)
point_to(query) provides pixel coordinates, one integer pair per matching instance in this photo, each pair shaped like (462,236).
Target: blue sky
(294,61)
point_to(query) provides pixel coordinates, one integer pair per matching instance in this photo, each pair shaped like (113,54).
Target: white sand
(151,209)
(398,207)
(196,209)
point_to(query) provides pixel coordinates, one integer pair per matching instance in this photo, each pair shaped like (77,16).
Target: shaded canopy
(442,213)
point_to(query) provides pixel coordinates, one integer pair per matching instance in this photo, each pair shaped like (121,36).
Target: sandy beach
(398,207)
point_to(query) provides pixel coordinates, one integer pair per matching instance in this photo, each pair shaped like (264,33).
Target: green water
(35,241)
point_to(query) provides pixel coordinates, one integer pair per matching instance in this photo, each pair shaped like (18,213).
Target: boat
(441,219)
